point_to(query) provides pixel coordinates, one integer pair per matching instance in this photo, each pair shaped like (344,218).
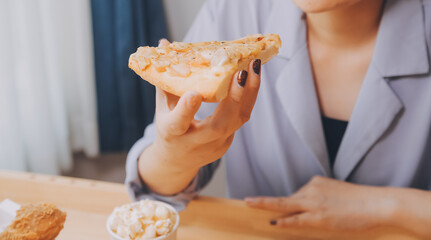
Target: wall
(180,15)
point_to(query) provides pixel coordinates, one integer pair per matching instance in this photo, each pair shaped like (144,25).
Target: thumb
(180,118)
(163,42)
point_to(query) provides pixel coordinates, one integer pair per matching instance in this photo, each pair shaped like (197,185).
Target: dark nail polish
(256,66)
(273,222)
(242,77)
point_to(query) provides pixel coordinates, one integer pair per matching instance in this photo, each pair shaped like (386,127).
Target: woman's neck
(346,27)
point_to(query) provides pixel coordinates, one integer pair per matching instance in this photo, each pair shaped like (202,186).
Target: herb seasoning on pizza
(205,67)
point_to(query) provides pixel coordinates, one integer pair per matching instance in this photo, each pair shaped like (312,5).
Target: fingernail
(242,77)
(256,66)
(273,222)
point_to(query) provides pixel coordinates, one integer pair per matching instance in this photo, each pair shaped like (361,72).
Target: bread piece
(204,67)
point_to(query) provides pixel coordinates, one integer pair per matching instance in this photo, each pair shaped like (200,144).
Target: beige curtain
(47,87)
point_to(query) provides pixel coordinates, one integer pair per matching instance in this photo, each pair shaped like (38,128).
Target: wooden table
(88,204)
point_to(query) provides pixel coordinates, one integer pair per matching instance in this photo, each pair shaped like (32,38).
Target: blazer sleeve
(200,30)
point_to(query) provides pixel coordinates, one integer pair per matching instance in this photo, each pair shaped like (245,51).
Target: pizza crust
(180,67)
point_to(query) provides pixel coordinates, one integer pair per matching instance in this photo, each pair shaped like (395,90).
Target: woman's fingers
(236,91)
(171,101)
(242,95)
(229,116)
(225,118)
(163,42)
(281,204)
(221,123)
(161,101)
(165,101)
(180,118)
(174,115)
(295,221)
(298,214)
(252,87)
(236,108)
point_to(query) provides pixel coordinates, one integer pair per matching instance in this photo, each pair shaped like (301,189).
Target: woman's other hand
(329,204)
(341,209)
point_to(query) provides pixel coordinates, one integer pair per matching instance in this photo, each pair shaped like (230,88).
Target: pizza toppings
(181,59)
(220,57)
(161,64)
(205,67)
(200,61)
(180,70)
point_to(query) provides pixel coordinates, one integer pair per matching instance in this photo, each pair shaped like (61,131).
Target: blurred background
(69,104)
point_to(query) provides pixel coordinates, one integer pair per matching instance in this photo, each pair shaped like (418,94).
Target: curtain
(47,92)
(125,102)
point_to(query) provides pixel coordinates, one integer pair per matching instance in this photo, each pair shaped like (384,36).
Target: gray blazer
(387,141)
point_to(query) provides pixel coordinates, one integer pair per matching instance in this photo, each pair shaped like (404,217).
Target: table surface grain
(88,203)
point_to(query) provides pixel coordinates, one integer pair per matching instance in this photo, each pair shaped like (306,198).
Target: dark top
(334,131)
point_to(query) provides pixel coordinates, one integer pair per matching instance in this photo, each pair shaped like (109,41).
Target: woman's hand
(184,144)
(190,144)
(329,204)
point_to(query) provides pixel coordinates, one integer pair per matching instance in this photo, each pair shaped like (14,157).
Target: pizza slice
(205,67)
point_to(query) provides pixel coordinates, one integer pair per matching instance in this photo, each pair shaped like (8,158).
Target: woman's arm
(335,206)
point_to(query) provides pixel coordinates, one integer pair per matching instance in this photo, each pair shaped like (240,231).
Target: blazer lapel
(295,84)
(400,50)
(376,108)
(296,92)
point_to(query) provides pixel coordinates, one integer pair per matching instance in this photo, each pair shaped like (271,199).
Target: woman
(347,99)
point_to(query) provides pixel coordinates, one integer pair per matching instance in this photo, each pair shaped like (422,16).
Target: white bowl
(172,235)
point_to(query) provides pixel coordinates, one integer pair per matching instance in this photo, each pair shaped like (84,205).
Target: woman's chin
(319,6)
